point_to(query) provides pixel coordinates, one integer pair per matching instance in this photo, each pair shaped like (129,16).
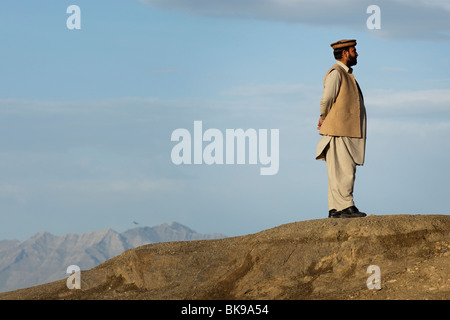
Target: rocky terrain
(45,257)
(315,259)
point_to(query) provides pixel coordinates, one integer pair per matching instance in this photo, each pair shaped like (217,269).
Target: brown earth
(315,259)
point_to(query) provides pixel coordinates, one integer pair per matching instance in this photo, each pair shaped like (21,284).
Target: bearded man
(342,124)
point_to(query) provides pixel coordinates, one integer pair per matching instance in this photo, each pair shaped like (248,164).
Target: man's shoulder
(334,67)
(333,72)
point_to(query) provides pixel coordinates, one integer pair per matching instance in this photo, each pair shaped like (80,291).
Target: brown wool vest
(344,119)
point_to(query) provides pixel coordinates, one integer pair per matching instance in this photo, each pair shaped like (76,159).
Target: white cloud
(439,4)
(425,19)
(14,192)
(139,186)
(163,71)
(409,128)
(269,89)
(394,69)
(96,189)
(409,103)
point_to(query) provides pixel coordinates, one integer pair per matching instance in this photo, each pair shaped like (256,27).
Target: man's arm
(330,92)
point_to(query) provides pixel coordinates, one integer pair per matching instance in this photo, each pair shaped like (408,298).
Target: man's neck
(347,68)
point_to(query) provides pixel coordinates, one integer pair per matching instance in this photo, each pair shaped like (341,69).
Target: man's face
(352,56)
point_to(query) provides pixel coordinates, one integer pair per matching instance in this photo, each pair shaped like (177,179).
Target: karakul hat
(343,44)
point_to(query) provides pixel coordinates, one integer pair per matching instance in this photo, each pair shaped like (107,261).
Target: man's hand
(319,124)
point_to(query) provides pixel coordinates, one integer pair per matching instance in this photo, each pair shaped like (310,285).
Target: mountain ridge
(44,257)
(314,259)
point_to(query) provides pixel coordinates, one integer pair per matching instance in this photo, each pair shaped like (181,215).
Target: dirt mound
(316,259)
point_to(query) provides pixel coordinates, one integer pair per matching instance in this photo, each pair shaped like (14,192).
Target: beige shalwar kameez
(341,154)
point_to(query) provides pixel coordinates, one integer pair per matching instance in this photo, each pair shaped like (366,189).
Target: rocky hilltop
(315,259)
(45,257)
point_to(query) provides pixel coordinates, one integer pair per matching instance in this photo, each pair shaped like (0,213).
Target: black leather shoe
(351,212)
(333,213)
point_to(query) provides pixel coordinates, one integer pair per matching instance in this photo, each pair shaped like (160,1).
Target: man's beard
(352,61)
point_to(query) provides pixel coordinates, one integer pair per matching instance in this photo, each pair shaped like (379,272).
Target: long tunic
(355,146)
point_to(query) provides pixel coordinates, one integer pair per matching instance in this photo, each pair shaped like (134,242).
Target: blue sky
(86,115)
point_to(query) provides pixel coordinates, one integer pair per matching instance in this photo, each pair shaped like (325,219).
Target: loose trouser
(341,170)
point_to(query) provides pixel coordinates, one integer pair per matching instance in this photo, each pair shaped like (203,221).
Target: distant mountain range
(45,257)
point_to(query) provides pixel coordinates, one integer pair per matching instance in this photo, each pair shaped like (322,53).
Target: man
(342,124)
